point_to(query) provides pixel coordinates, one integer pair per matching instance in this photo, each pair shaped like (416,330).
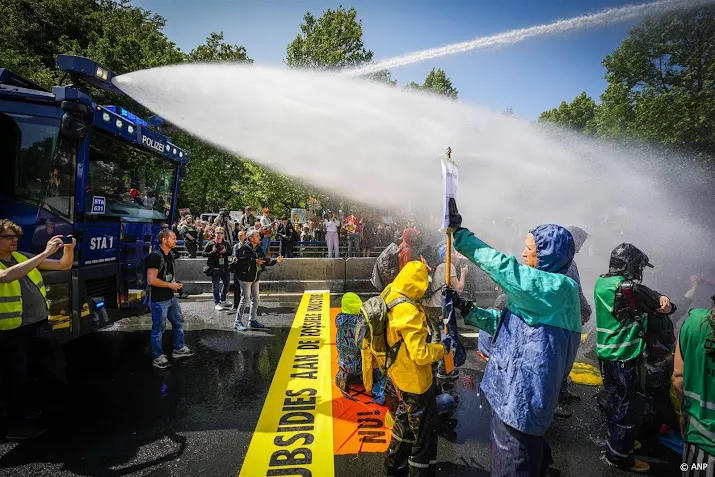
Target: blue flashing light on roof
(128,114)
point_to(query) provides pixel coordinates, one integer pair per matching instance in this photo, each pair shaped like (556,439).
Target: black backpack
(386,267)
(142,281)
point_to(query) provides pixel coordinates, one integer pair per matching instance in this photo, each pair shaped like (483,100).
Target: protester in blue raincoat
(535,339)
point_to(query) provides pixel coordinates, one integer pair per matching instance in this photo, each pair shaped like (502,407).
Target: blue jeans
(249,291)
(219,284)
(160,311)
(265,243)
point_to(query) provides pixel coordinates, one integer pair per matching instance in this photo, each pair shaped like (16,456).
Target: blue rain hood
(555,248)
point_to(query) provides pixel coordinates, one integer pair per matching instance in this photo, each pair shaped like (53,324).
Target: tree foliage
(577,115)
(436,82)
(216,49)
(333,42)
(661,85)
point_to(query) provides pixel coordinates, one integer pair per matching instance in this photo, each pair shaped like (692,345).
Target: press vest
(616,340)
(698,351)
(11,296)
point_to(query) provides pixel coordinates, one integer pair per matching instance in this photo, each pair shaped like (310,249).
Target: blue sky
(530,77)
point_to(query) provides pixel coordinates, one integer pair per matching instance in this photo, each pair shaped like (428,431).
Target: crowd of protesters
(361,235)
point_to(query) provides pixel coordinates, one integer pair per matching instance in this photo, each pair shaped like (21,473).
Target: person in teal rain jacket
(534,341)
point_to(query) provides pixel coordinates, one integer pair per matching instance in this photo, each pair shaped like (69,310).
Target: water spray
(605,17)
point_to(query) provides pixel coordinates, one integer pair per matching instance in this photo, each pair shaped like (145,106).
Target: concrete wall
(335,274)
(293,275)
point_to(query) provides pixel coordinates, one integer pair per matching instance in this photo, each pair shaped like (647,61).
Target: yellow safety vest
(11,296)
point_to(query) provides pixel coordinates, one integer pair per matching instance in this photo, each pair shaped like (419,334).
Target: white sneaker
(226,304)
(184,352)
(218,307)
(162,362)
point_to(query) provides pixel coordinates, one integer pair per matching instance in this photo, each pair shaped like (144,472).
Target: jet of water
(380,145)
(604,17)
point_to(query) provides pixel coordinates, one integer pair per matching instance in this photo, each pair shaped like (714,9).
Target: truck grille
(103,287)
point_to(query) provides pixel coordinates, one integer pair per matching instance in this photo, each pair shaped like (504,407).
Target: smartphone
(67,239)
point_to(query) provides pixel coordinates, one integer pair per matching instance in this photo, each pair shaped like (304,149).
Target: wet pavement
(124,417)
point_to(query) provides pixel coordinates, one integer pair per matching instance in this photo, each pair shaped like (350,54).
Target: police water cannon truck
(98,173)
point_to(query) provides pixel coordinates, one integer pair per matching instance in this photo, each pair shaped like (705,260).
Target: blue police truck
(99,173)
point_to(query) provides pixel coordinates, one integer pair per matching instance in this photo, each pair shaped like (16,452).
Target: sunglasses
(10,237)
(219,233)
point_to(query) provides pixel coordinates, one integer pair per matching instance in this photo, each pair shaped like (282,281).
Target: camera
(67,239)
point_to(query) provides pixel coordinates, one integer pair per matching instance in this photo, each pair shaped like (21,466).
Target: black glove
(455,220)
(465,306)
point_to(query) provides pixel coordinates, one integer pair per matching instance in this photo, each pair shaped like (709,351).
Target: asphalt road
(124,417)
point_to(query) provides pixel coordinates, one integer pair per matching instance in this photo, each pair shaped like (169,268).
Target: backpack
(386,267)
(371,331)
(142,268)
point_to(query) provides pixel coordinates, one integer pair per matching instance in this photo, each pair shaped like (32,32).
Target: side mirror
(75,120)
(183,171)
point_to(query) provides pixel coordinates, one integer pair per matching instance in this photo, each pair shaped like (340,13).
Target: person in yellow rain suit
(414,434)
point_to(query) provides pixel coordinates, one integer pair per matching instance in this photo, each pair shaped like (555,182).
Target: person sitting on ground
(694,381)
(535,340)
(349,359)
(251,260)
(622,308)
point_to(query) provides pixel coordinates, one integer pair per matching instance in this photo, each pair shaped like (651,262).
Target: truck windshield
(135,184)
(38,163)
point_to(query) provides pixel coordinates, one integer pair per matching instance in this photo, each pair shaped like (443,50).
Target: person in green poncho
(622,306)
(694,381)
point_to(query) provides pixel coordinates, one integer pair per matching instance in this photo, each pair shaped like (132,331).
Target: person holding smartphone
(27,344)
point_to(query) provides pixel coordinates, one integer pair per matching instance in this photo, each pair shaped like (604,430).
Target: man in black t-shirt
(162,285)
(219,254)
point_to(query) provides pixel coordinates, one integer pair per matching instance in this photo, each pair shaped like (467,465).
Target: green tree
(436,82)
(216,49)
(661,82)
(577,115)
(333,42)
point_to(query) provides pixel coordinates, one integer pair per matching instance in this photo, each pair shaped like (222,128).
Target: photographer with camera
(224,220)
(250,262)
(218,252)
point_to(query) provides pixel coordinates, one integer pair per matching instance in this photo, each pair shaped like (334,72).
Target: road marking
(296,421)
(359,425)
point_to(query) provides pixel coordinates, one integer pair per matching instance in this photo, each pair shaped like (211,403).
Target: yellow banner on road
(295,429)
